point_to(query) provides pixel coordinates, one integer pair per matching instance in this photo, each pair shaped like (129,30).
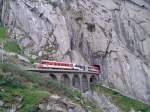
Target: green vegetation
(123,102)
(31,96)
(32,60)
(32,87)
(3,33)
(10,86)
(9,46)
(12,46)
(50,49)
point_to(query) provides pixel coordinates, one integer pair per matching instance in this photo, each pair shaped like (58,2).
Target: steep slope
(22,91)
(112,33)
(125,104)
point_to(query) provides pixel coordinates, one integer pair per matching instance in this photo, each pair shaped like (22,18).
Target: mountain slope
(22,91)
(112,33)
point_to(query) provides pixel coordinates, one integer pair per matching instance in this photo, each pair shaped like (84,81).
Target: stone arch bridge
(80,80)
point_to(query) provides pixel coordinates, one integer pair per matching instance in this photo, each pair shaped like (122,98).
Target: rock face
(58,104)
(112,33)
(13,106)
(53,103)
(103,102)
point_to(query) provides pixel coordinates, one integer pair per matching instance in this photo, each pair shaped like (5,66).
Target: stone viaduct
(80,80)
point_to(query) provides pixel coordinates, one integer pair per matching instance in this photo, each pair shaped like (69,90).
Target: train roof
(55,61)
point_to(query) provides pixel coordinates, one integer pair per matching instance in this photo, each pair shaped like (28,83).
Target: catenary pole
(2,51)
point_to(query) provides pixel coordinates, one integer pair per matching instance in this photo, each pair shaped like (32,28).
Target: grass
(123,102)
(33,86)
(9,46)
(12,46)
(12,85)
(30,97)
(3,33)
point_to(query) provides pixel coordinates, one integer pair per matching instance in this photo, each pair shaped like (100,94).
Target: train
(47,64)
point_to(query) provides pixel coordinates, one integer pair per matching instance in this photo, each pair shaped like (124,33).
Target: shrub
(12,46)
(7,79)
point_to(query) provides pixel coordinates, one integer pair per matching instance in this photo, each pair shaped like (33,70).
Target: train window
(51,63)
(43,62)
(77,65)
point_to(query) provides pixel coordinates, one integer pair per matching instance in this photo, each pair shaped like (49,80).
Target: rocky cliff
(112,33)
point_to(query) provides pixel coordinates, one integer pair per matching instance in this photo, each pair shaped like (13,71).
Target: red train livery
(46,64)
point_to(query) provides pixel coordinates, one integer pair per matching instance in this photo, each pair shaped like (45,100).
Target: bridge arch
(76,81)
(65,79)
(84,83)
(53,76)
(93,79)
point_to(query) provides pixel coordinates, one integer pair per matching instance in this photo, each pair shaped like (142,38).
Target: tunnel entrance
(53,76)
(98,67)
(65,79)
(93,79)
(76,82)
(85,83)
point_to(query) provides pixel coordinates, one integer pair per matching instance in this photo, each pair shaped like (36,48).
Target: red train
(46,64)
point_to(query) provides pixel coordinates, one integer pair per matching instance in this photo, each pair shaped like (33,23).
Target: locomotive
(46,64)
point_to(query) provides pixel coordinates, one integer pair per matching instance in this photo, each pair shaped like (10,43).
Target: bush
(12,46)
(7,79)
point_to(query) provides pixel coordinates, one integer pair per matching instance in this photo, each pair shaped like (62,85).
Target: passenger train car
(46,64)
